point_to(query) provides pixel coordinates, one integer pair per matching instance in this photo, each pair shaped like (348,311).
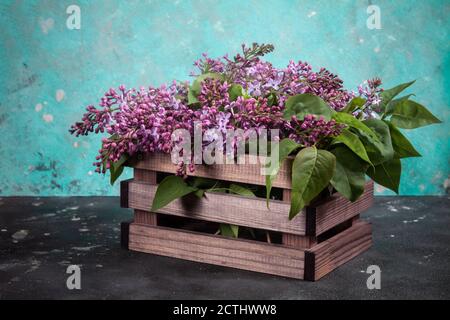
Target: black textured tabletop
(41,237)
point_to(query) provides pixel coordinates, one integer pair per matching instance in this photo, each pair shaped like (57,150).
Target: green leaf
(272,99)
(116,168)
(303,104)
(192,99)
(402,147)
(354,104)
(389,94)
(199,193)
(391,105)
(243,191)
(352,141)
(387,174)
(202,183)
(171,188)
(410,115)
(235,91)
(379,150)
(229,230)
(283,149)
(349,177)
(354,123)
(196,85)
(312,170)
(115,173)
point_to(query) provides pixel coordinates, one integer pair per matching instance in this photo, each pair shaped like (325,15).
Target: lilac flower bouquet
(335,136)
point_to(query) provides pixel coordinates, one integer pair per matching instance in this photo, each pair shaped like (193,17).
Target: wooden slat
(124,193)
(222,208)
(293,240)
(296,241)
(330,254)
(145,176)
(145,217)
(244,173)
(218,250)
(337,209)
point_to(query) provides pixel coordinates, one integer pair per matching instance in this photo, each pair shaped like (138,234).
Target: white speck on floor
(35,264)
(85,249)
(48,215)
(20,235)
(392,208)
(428,256)
(40,253)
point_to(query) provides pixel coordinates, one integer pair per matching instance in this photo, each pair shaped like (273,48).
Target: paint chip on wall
(60,95)
(38,107)
(46,24)
(312,14)
(218,26)
(47,118)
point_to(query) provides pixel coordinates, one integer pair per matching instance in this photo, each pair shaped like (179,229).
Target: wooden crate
(319,239)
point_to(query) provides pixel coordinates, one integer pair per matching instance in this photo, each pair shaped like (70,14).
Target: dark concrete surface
(40,237)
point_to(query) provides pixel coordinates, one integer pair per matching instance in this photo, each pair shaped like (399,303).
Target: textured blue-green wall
(48,73)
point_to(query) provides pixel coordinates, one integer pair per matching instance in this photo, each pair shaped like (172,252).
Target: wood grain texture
(218,250)
(144,175)
(145,217)
(244,173)
(293,240)
(124,193)
(296,241)
(222,208)
(337,209)
(330,254)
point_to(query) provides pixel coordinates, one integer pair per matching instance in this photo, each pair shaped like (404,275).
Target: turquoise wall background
(48,73)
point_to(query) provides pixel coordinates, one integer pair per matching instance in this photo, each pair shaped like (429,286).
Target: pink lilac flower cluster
(143,120)
(312,129)
(260,78)
(137,121)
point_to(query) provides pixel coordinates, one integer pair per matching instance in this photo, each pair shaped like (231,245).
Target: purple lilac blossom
(142,121)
